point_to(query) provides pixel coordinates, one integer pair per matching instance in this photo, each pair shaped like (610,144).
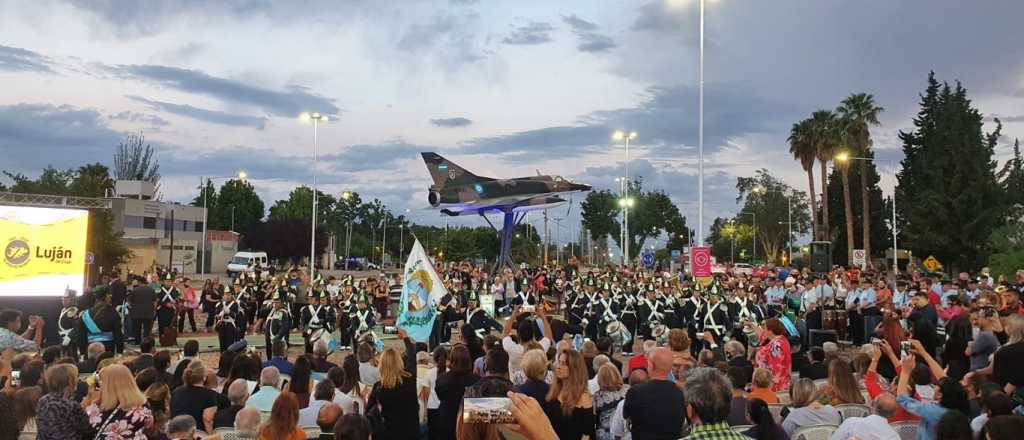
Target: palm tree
(859,112)
(823,126)
(802,147)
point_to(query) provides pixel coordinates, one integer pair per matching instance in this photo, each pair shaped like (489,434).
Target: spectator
(301,383)
(188,352)
(472,341)
(842,385)
(736,354)
(336,376)
(25,407)
(950,395)
(761,387)
(873,427)
(1004,427)
(323,394)
(605,347)
(774,354)
(985,342)
(326,418)
(739,402)
(831,350)
(118,410)
(589,352)
(59,416)
(708,395)
(649,405)
(50,355)
(368,372)
(158,399)
(247,423)
(994,403)
(145,359)
(280,359)
(764,422)
(395,393)
(283,421)
(490,341)
(610,392)
(352,427)
(238,393)
(640,360)
(597,362)
(10,323)
(495,383)
(954,354)
(815,369)
(88,366)
(245,367)
(353,386)
(428,391)
(320,353)
(804,408)
(193,398)
(451,385)
(263,400)
(1006,365)
(161,362)
(953,425)
(145,378)
(526,331)
(182,427)
(32,373)
(142,301)
(875,391)
(535,371)
(569,405)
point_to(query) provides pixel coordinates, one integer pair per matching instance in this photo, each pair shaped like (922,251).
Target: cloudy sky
(504,88)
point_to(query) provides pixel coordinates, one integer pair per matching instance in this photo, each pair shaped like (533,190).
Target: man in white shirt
(592,384)
(336,376)
(322,395)
(873,427)
(526,332)
(263,400)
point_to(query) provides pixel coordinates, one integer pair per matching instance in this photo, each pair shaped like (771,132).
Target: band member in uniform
(651,315)
(275,321)
(362,320)
(447,312)
(67,325)
(102,324)
(317,317)
(628,317)
(715,317)
(230,322)
(166,304)
(477,318)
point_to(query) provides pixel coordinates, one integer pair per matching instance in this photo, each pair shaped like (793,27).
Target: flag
(422,290)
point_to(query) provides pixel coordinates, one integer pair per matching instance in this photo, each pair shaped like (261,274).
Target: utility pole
(545,236)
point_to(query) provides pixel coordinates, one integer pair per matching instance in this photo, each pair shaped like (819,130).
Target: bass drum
(326,337)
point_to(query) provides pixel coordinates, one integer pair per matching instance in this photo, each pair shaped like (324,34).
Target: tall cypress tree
(950,200)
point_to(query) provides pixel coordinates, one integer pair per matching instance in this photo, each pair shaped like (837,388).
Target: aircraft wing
(529,204)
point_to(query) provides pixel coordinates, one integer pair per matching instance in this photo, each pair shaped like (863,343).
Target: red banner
(700,261)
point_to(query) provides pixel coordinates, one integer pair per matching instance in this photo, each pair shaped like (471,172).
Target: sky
(503,88)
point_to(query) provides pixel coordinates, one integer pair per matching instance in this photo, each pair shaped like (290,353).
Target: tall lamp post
(620,135)
(622,226)
(625,203)
(348,228)
(754,216)
(202,187)
(845,157)
(401,237)
(317,118)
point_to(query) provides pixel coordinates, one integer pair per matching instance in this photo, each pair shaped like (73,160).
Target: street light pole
(754,215)
(622,135)
(316,118)
(700,137)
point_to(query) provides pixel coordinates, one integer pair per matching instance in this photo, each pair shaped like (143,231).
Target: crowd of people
(605,353)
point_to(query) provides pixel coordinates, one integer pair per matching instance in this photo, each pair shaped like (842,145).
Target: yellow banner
(41,248)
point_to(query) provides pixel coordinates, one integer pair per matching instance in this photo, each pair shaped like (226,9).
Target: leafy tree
(1011,178)
(299,205)
(284,238)
(652,214)
(859,113)
(238,198)
(91,180)
(879,208)
(599,211)
(134,160)
(773,202)
(949,174)
(728,237)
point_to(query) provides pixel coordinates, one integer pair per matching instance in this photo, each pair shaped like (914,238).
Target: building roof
(217,235)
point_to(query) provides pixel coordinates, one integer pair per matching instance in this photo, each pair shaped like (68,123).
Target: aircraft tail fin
(444,171)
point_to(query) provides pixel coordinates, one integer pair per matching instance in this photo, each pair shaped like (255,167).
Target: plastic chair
(814,432)
(223,430)
(820,383)
(848,410)
(742,428)
(906,430)
(776,410)
(312,433)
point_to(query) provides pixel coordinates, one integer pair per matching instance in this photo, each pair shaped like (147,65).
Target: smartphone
(16,379)
(876,341)
(489,410)
(905,347)
(390,330)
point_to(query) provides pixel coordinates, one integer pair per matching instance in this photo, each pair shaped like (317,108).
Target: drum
(613,328)
(659,331)
(325,336)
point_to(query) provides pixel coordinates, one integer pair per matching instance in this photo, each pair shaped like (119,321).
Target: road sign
(648,259)
(932,264)
(859,258)
(700,261)
(90,258)
(675,254)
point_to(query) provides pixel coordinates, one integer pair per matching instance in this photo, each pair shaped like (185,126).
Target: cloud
(200,114)
(289,103)
(447,38)
(586,31)
(37,135)
(534,32)
(14,59)
(374,157)
(151,120)
(451,122)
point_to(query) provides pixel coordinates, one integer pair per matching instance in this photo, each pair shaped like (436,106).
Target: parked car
(245,261)
(742,268)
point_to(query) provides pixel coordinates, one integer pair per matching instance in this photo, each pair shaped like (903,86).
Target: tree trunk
(848,214)
(826,231)
(865,209)
(814,204)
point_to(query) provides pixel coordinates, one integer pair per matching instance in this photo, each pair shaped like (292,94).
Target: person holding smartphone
(10,323)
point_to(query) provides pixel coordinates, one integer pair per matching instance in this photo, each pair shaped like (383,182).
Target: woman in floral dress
(117,410)
(774,354)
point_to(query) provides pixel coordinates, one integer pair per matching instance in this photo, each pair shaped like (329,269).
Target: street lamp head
(618,135)
(242,175)
(757,190)
(346,195)
(632,135)
(303,116)
(843,157)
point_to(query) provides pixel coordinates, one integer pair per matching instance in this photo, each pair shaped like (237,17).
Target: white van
(245,261)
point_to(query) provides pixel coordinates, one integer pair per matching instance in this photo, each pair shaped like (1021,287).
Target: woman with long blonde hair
(842,386)
(117,409)
(394,396)
(569,405)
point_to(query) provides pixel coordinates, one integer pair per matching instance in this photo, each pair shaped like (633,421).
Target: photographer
(30,340)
